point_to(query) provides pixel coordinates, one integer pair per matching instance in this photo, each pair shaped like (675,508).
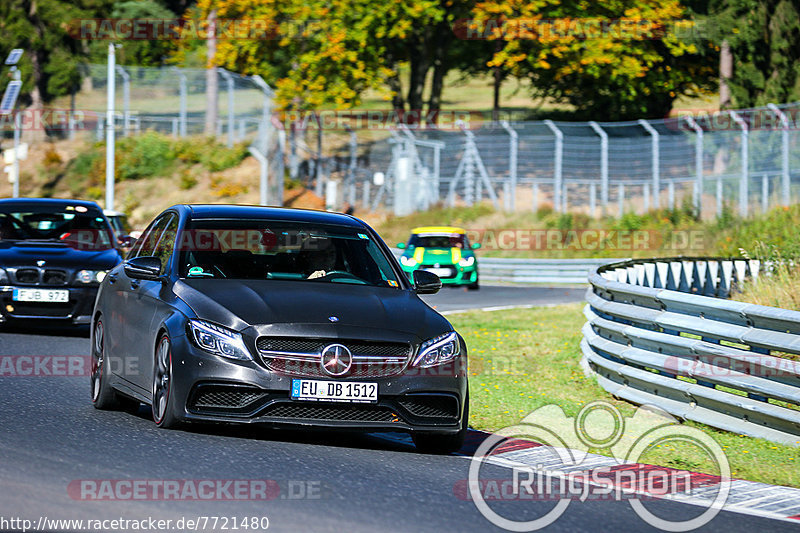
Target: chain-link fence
(747,159)
(173,101)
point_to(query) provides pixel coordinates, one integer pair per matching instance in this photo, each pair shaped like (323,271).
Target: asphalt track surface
(52,437)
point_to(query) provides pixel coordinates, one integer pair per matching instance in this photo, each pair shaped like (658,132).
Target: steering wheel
(341,274)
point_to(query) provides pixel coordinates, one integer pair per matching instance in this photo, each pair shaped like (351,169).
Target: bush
(144,156)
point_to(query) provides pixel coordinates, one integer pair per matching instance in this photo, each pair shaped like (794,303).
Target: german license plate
(334,391)
(40,295)
(441,272)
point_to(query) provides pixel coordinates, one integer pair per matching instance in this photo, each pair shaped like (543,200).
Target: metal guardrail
(658,332)
(534,270)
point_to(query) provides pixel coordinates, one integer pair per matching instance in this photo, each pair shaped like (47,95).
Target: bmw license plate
(40,295)
(334,391)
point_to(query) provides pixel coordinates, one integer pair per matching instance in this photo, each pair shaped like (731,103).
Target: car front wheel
(162,385)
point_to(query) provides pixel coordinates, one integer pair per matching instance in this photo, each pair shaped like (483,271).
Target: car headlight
(3,276)
(408,261)
(91,276)
(438,350)
(218,340)
(467,261)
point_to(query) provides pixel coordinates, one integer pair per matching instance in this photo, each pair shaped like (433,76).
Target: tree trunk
(440,68)
(498,81)
(212,81)
(725,74)
(419,66)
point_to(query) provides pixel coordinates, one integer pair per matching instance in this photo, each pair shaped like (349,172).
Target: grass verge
(523,359)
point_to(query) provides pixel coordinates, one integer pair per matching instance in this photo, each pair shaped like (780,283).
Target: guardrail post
(558,158)
(655,161)
(513,146)
(785,177)
(603,164)
(743,182)
(697,191)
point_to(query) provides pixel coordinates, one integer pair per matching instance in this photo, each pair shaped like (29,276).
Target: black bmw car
(281,317)
(53,256)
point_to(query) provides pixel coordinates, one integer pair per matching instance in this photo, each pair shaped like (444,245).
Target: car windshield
(279,250)
(454,240)
(76,226)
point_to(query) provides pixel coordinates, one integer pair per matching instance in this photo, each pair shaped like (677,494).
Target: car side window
(166,242)
(146,244)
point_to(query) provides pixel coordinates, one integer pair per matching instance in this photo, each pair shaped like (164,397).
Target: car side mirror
(475,245)
(401,245)
(426,282)
(147,268)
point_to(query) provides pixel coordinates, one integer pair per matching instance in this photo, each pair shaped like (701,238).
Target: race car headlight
(408,261)
(91,276)
(218,340)
(438,350)
(467,261)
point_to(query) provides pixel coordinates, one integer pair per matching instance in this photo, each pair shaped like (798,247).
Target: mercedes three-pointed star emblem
(336,360)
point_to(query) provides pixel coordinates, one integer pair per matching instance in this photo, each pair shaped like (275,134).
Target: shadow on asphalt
(45,328)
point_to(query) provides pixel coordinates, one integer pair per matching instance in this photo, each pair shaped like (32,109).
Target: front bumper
(78,309)
(461,275)
(207,388)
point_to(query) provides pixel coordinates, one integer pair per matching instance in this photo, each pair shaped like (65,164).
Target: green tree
(764,38)
(611,59)
(52,55)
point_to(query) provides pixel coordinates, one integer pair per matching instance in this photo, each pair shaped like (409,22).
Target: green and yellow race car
(443,250)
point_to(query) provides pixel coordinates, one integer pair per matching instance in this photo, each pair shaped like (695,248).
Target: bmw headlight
(218,340)
(438,350)
(467,261)
(408,261)
(91,276)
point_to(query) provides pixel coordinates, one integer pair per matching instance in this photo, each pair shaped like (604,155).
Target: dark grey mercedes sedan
(277,316)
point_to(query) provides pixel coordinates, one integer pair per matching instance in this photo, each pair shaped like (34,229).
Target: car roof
(55,202)
(449,230)
(208,211)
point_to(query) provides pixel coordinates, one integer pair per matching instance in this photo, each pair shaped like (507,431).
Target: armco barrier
(534,270)
(660,332)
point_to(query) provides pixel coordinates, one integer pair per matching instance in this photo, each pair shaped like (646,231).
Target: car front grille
(231,399)
(223,398)
(337,413)
(41,277)
(301,357)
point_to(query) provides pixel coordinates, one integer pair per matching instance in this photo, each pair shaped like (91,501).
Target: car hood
(21,253)
(241,303)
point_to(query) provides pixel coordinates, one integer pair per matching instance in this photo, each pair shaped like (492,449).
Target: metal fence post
(697,195)
(182,107)
(621,198)
(535,197)
(231,116)
(511,198)
(126,99)
(110,146)
(351,170)
(603,164)
(671,194)
(646,196)
(785,176)
(743,183)
(592,199)
(719,196)
(558,157)
(764,193)
(655,162)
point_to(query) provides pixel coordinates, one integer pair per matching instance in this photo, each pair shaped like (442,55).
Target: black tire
(443,444)
(161,405)
(103,396)
(473,286)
